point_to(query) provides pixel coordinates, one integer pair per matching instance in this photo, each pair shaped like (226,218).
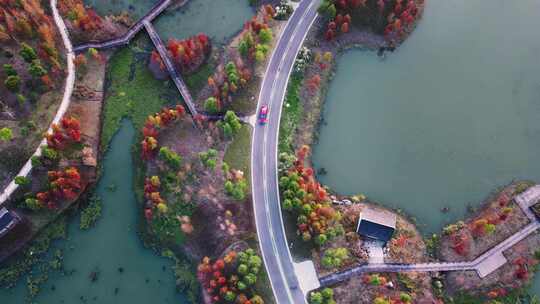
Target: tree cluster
(225,83)
(67,132)
(335,257)
(153,125)
(62,186)
(325,296)
(230,125)
(232,279)
(236,184)
(304,196)
(27,20)
(167,221)
(209,158)
(81,17)
(390,18)
(171,158)
(402,298)
(255,41)
(40,78)
(187,55)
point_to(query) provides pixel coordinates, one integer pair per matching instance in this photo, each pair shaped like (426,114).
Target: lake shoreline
(306,130)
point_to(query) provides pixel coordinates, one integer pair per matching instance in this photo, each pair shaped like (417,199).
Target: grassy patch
(198,80)
(238,152)
(243,102)
(290,116)
(133,92)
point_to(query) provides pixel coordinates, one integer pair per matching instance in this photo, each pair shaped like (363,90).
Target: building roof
(378,225)
(383,218)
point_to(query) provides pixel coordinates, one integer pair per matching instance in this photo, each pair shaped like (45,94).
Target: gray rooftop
(384,218)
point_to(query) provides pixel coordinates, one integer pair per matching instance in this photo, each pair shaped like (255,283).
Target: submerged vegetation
(33,255)
(132,93)
(91,213)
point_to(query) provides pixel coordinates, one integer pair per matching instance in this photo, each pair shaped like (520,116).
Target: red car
(263,115)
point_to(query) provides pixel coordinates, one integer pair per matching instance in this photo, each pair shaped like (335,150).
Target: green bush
(91,213)
(171,158)
(265,35)
(6,134)
(36,69)
(13,83)
(36,161)
(27,53)
(334,257)
(22,181)
(211,105)
(50,153)
(327,9)
(32,204)
(9,70)
(230,125)
(209,158)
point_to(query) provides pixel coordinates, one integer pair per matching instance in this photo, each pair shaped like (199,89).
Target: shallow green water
(217,18)
(112,244)
(450,116)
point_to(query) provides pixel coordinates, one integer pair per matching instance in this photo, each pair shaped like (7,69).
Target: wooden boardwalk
(485,264)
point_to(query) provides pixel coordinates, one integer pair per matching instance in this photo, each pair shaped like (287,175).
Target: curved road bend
(64,105)
(264,181)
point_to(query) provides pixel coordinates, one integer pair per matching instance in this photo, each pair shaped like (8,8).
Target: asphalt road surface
(267,209)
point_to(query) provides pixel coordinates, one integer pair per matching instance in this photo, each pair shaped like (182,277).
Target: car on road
(8,220)
(263,115)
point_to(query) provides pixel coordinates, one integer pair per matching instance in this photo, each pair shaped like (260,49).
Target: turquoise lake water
(218,18)
(442,122)
(112,244)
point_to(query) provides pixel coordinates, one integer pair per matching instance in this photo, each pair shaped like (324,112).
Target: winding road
(265,189)
(64,105)
(264,154)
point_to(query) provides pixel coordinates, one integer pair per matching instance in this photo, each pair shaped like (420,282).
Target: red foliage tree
(62,185)
(68,131)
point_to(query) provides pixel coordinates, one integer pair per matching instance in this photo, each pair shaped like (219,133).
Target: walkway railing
(526,200)
(178,82)
(132,31)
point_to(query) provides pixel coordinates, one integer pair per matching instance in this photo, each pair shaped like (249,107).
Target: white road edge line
(252,165)
(66,100)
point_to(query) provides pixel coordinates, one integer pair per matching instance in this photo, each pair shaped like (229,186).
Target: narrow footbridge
(146,22)
(486,263)
(156,10)
(178,82)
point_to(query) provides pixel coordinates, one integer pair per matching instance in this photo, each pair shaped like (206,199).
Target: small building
(376,225)
(8,220)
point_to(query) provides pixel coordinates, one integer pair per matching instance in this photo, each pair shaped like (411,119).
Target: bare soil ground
(88,109)
(29,120)
(520,257)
